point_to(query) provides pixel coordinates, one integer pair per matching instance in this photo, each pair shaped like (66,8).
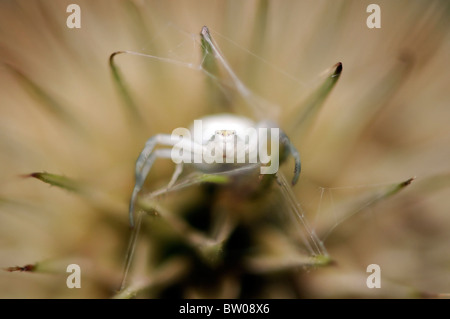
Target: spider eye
(225,133)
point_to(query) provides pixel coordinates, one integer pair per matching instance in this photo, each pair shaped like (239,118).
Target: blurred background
(384,122)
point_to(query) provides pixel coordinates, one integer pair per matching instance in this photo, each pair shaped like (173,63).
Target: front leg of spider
(144,164)
(148,156)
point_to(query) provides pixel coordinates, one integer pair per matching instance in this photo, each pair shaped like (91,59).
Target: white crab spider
(222,129)
(225,127)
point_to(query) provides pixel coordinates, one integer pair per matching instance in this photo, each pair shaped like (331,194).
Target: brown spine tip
(338,67)
(35,175)
(18,268)
(111,57)
(409,181)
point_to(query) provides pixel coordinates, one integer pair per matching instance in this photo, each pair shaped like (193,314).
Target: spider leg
(176,174)
(141,175)
(163,139)
(286,142)
(147,157)
(288,147)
